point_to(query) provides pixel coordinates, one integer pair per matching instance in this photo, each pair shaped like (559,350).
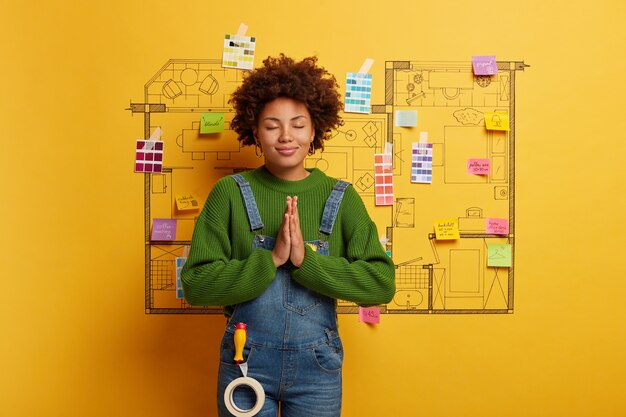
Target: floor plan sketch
(432,276)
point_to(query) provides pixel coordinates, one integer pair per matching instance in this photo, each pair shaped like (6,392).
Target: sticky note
(422,163)
(149,156)
(163,229)
(369,315)
(497,121)
(186,202)
(500,255)
(478,166)
(358,93)
(447,229)
(496,226)
(484,65)
(180,262)
(406,118)
(211,122)
(238,52)
(383,179)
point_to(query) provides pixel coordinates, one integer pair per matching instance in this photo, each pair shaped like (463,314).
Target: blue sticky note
(406,118)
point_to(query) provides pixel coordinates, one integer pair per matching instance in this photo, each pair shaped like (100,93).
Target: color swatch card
(497,121)
(478,166)
(447,229)
(149,156)
(358,92)
(211,122)
(383,179)
(422,163)
(500,255)
(484,65)
(163,229)
(180,262)
(406,118)
(369,315)
(238,52)
(497,226)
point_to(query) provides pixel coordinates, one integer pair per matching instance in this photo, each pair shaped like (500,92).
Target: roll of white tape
(258,390)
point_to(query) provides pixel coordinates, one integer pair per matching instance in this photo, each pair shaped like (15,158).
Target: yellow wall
(74,337)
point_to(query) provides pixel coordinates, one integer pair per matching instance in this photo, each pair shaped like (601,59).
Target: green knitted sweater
(223,269)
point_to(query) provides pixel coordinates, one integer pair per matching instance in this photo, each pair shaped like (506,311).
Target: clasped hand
(289,243)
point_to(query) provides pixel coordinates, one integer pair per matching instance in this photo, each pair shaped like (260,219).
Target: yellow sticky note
(186,202)
(447,229)
(497,121)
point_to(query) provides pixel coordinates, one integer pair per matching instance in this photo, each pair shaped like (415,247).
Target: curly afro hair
(302,81)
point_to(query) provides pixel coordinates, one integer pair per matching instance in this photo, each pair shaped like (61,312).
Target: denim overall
(293,348)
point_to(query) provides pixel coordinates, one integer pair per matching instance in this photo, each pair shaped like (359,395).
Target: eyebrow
(271,118)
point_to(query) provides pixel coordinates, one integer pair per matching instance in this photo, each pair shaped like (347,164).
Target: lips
(286,151)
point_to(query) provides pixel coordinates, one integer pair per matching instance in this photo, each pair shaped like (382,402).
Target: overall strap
(332,206)
(248,200)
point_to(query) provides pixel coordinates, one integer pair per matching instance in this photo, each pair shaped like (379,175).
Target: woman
(280,244)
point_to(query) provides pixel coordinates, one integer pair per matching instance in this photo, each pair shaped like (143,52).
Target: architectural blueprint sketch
(432,276)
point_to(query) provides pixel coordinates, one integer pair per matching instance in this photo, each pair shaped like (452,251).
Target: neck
(292,174)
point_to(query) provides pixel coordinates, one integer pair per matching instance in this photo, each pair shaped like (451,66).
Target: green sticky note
(211,122)
(500,255)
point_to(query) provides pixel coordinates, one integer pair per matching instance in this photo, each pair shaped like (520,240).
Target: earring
(257,149)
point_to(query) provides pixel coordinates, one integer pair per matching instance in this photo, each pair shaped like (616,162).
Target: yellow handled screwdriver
(241,331)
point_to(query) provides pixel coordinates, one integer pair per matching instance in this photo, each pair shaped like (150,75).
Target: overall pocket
(296,297)
(329,356)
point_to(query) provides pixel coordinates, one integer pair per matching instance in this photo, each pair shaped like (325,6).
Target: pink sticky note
(164,229)
(497,226)
(369,315)
(484,65)
(478,166)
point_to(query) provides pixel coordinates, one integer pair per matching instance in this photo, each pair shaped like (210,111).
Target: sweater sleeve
(365,275)
(210,276)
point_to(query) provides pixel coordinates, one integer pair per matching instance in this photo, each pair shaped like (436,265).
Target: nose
(286,135)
